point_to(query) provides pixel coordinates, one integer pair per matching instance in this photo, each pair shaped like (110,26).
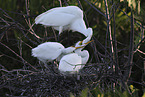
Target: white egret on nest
(63,18)
(72,63)
(49,51)
(81,44)
(68,63)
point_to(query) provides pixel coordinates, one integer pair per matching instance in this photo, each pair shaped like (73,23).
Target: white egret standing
(63,18)
(49,51)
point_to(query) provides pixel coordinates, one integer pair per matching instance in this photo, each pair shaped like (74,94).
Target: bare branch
(17,55)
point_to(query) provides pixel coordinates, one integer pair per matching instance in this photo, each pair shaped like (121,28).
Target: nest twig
(41,83)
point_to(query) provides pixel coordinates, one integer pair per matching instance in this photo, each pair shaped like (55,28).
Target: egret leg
(60,30)
(78,76)
(41,65)
(45,64)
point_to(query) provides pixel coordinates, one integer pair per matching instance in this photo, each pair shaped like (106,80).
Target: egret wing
(79,25)
(70,62)
(48,50)
(55,19)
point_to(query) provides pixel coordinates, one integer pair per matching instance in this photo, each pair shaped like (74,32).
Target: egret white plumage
(73,62)
(89,33)
(63,18)
(84,54)
(81,44)
(70,63)
(49,51)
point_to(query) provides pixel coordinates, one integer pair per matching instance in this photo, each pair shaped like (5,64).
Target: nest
(52,83)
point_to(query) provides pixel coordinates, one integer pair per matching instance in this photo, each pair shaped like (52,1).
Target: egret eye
(80,43)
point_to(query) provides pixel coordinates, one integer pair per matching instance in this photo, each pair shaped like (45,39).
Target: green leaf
(71,95)
(84,93)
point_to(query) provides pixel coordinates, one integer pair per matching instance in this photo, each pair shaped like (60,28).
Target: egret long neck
(78,51)
(80,26)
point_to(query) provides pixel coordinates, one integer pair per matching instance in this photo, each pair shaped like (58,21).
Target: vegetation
(117,54)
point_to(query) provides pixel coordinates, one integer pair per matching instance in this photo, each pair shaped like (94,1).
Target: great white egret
(72,63)
(84,54)
(63,18)
(82,44)
(49,51)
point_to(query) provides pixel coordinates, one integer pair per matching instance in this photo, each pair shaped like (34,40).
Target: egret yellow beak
(81,44)
(79,47)
(89,42)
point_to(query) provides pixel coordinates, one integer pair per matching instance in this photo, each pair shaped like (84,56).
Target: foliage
(109,93)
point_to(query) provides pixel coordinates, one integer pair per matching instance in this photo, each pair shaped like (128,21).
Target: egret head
(80,44)
(89,32)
